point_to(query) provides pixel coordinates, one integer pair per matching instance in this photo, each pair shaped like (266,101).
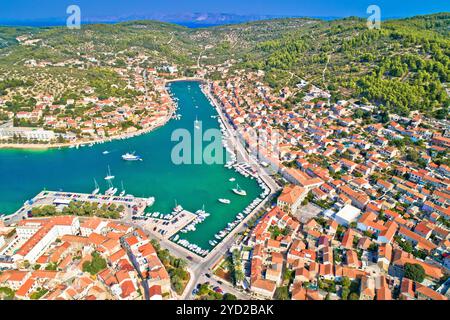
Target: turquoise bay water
(24,173)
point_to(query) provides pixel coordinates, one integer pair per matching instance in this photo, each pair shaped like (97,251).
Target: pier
(59,199)
(166,228)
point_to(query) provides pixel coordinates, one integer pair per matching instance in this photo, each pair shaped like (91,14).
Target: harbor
(195,187)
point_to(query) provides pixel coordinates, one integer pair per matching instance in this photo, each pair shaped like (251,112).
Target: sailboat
(97,188)
(111,190)
(109,176)
(196,125)
(239,191)
(122,193)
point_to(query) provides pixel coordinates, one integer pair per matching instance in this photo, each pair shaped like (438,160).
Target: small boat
(150,201)
(225,201)
(239,191)
(232,179)
(105,152)
(109,176)
(131,157)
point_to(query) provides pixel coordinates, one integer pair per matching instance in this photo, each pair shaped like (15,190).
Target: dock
(166,228)
(60,199)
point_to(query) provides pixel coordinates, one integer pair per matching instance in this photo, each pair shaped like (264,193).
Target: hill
(402,67)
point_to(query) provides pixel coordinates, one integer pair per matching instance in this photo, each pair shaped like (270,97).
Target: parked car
(218,290)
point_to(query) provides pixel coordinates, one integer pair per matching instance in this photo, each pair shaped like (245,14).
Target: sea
(24,173)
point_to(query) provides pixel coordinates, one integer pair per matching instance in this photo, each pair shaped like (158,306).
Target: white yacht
(131,157)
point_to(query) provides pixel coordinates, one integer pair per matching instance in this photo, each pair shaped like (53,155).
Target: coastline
(32,146)
(43,147)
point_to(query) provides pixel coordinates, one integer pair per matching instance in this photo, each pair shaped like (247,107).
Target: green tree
(96,265)
(353,296)
(281,293)
(414,272)
(229,296)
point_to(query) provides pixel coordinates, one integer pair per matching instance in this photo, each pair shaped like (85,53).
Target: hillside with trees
(404,66)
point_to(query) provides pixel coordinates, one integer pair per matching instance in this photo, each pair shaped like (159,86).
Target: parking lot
(306,213)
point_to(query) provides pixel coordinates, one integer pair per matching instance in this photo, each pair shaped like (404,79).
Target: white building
(27,133)
(50,230)
(347,215)
(28,229)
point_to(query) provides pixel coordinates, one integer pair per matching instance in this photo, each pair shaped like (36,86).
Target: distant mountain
(192,20)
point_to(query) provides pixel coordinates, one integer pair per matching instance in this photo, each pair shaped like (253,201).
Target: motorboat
(131,157)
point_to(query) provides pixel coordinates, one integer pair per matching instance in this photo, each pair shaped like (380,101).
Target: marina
(192,186)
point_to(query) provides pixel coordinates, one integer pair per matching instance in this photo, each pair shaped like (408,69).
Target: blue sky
(44,9)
